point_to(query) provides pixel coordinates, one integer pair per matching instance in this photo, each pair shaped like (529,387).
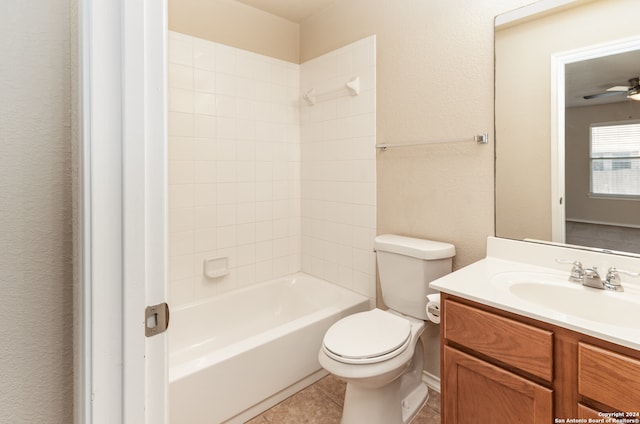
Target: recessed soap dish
(216,268)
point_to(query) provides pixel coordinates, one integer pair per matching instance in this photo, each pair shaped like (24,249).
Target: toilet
(378,353)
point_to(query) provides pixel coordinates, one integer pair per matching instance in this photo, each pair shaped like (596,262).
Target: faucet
(577,273)
(612,281)
(591,278)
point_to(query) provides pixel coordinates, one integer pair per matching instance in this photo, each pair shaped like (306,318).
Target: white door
(121,374)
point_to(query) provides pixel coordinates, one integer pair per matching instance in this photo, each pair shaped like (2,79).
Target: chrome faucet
(592,278)
(613,282)
(577,273)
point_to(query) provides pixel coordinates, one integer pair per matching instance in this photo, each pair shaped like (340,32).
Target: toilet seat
(367,337)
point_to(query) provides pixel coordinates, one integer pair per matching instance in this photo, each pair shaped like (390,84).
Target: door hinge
(156,319)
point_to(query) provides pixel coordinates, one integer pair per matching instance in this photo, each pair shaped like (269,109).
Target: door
(478,392)
(121,375)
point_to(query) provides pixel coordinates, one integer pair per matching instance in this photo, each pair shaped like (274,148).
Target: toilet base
(373,406)
(413,403)
(382,405)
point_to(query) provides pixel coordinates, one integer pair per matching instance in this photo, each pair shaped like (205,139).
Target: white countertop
(481,282)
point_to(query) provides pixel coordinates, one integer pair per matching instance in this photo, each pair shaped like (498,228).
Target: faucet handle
(577,273)
(613,282)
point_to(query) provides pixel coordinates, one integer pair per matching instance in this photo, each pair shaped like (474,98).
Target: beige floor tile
(310,406)
(258,420)
(434,400)
(333,387)
(322,402)
(427,416)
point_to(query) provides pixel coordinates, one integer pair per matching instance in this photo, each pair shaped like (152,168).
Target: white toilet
(378,352)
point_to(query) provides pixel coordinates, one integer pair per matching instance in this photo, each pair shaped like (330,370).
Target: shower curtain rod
(478,138)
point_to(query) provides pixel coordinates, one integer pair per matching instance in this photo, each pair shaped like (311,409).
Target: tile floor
(321,403)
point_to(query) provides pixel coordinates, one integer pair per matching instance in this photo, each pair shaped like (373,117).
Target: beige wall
(523,126)
(435,81)
(36,384)
(579,205)
(236,24)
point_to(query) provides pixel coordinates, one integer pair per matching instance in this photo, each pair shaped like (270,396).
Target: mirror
(548,186)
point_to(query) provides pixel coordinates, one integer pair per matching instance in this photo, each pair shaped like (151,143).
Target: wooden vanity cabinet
(609,378)
(500,367)
(479,392)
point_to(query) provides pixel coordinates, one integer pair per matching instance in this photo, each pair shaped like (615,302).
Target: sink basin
(571,300)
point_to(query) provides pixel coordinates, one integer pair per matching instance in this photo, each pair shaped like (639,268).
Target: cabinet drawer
(522,346)
(610,378)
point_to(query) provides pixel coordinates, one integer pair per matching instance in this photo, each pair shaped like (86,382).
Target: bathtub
(237,354)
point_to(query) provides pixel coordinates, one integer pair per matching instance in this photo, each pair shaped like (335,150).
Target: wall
(35,165)
(233,166)
(235,24)
(579,205)
(434,82)
(523,103)
(338,168)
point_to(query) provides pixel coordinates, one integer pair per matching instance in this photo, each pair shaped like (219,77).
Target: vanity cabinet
(480,354)
(479,392)
(609,378)
(500,367)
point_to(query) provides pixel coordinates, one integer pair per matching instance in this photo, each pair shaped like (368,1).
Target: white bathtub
(237,354)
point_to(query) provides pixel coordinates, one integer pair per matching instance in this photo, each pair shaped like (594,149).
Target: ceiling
(293,10)
(596,75)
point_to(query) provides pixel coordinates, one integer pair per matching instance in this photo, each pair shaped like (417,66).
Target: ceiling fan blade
(605,94)
(619,88)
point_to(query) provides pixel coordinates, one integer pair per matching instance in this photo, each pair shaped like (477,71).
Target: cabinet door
(478,392)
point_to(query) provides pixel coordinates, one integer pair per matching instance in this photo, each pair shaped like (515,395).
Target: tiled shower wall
(235,165)
(234,141)
(338,168)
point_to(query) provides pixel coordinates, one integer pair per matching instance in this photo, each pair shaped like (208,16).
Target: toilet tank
(406,266)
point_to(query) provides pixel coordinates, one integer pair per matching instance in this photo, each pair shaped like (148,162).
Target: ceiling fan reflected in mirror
(632,91)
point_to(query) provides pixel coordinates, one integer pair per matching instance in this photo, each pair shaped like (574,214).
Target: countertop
(487,282)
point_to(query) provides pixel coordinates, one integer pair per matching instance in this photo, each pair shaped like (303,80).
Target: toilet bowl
(374,362)
(378,353)
(374,366)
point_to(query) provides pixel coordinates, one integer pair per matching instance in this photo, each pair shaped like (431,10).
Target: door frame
(558,62)
(121,376)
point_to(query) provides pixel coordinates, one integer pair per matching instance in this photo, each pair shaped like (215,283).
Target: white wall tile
(181,124)
(180,100)
(250,171)
(337,167)
(180,76)
(180,49)
(203,54)
(204,103)
(204,81)
(180,172)
(204,126)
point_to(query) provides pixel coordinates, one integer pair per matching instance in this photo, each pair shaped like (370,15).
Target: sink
(569,299)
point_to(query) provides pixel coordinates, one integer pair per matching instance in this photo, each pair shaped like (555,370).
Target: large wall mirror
(568,126)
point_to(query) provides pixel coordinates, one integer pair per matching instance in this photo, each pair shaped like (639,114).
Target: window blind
(615,159)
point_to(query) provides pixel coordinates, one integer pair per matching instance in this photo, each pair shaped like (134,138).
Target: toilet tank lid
(417,248)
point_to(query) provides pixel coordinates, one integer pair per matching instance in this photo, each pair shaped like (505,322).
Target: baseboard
(431,381)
